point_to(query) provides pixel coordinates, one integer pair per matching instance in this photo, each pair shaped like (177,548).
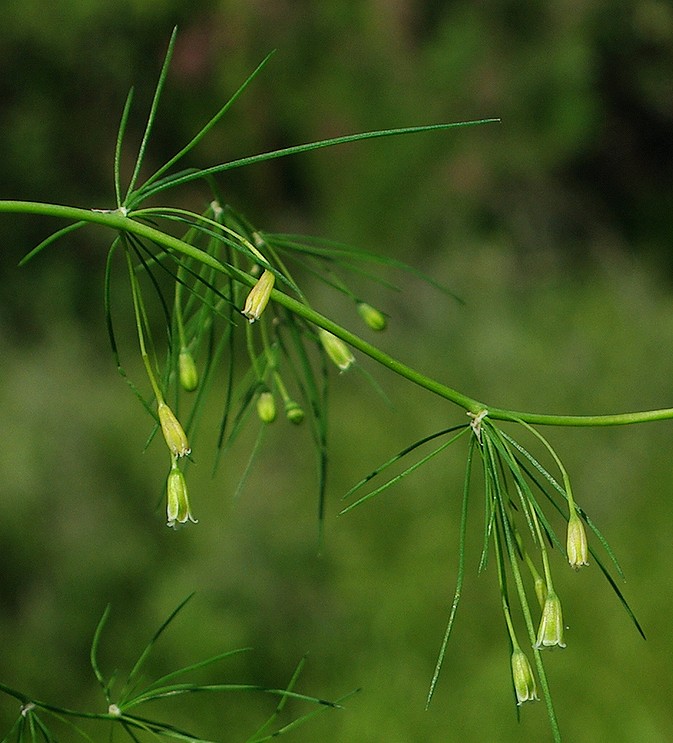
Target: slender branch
(118,221)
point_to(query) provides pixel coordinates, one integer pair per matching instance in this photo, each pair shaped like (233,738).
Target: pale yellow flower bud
(522,675)
(266,407)
(576,544)
(336,349)
(189,376)
(374,318)
(174,434)
(259,295)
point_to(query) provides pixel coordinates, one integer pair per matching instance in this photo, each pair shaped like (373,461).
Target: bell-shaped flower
(550,631)
(576,544)
(522,675)
(177,502)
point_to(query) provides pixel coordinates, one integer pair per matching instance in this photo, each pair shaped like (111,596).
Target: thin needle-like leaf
(111,334)
(316,396)
(141,250)
(162,680)
(400,455)
(229,390)
(50,240)
(135,671)
(254,453)
(507,459)
(300,720)
(152,114)
(118,147)
(407,471)
(202,133)
(618,592)
(159,729)
(181,178)
(489,500)
(174,690)
(333,250)
(459,577)
(281,704)
(93,655)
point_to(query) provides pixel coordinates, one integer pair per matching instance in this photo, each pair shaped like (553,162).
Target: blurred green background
(555,229)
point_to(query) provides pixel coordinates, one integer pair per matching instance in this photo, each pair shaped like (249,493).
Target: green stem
(502,582)
(252,354)
(564,473)
(280,386)
(543,552)
(116,220)
(25,699)
(182,338)
(140,316)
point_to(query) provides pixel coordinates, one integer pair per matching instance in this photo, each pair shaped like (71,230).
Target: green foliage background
(554,227)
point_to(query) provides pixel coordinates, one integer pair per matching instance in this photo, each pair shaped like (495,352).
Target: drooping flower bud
(550,631)
(336,349)
(177,502)
(189,376)
(174,434)
(259,295)
(374,318)
(522,675)
(576,544)
(294,412)
(266,407)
